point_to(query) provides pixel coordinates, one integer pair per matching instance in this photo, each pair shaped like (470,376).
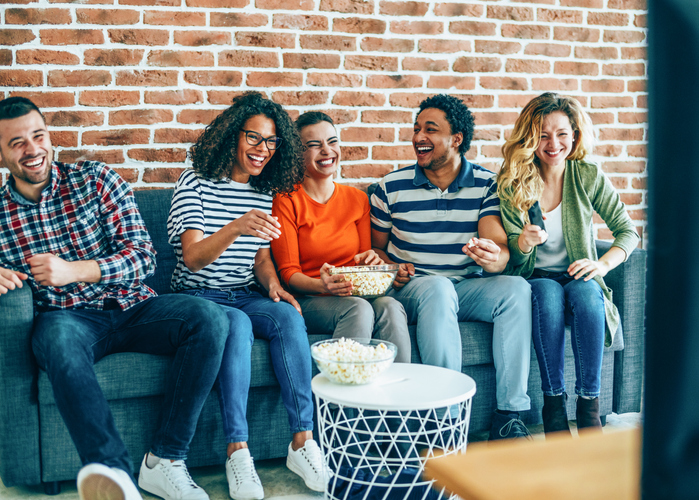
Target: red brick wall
(133,82)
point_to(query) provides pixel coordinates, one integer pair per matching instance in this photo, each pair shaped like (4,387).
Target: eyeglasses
(253,138)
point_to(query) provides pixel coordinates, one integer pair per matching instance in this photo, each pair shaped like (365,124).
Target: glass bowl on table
(352,362)
(368,281)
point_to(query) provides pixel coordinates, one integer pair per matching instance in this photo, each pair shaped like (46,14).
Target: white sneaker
(170,480)
(308,462)
(99,482)
(243,481)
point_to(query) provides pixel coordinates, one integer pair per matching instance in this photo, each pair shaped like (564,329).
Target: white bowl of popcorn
(354,362)
(368,281)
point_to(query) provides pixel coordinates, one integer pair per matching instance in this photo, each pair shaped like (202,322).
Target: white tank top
(552,255)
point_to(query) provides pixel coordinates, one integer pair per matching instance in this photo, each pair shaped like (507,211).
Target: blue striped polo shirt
(428,226)
(208,205)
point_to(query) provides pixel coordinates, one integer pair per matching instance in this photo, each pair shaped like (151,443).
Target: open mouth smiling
(326,163)
(257,160)
(423,150)
(34,163)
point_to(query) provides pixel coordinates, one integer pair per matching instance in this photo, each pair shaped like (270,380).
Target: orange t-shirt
(313,233)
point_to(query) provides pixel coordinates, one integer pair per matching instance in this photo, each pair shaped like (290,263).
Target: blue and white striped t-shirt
(429,227)
(208,205)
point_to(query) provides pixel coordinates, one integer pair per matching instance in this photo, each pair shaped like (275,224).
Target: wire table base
(377,453)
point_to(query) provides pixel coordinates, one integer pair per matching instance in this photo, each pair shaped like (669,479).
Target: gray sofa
(35,446)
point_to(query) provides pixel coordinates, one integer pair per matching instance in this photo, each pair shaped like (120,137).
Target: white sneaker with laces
(308,462)
(243,481)
(170,480)
(100,482)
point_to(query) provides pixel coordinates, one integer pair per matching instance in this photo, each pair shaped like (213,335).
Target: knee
(584,293)
(516,290)
(288,321)
(389,308)
(207,320)
(240,337)
(60,346)
(438,291)
(546,292)
(359,313)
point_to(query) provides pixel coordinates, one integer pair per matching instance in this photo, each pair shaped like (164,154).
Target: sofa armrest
(20,459)
(628,282)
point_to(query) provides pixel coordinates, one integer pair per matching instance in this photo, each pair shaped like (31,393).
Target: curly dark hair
(458,115)
(214,154)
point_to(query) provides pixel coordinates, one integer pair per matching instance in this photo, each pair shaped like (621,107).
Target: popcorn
(345,361)
(472,242)
(368,281)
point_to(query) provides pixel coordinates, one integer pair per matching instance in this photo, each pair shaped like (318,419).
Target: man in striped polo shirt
(440,220)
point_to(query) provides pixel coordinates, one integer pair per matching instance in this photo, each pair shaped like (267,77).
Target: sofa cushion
(154,205)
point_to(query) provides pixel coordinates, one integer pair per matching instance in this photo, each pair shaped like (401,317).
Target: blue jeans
(67,343)
(251,315)
(437,305)
(559,300)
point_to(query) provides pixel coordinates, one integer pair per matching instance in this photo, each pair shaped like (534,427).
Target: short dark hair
(458,115)
(311,118)
(14,107)
(214,153)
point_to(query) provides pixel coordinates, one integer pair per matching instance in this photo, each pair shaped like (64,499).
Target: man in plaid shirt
(73,233)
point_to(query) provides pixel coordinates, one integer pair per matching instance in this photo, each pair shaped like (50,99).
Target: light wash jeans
(557,301)
(251,315)
(67,343)
(436,305)
(358,318)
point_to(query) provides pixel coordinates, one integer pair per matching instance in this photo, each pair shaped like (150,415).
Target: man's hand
(369,258)
(9,280)
(49,270)
(484,252)
(405,271)
(334,284)
(277,293)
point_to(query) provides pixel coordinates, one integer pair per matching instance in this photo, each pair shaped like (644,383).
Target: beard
(20,174)
(436,162)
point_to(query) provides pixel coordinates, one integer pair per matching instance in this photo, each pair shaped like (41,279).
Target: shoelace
(244,469)
(179,476)
(520,429)
(315,460)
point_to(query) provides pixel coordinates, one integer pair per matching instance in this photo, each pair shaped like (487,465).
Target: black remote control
(536,217)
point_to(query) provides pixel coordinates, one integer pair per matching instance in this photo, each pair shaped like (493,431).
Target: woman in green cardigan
(544,166)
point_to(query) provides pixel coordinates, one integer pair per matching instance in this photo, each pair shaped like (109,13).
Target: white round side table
(372,434)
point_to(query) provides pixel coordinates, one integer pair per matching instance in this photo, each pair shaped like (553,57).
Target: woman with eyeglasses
(326,224)
(220,224)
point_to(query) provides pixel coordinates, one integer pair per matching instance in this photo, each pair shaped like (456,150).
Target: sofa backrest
(154,205)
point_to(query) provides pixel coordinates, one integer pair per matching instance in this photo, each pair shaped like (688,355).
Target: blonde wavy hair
(519,181)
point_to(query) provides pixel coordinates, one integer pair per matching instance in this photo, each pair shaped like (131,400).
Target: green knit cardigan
(585,190)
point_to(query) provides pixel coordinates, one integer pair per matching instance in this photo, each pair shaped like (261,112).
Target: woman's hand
(588,268)
(369,258)
(332,283)
(257,223)
(277,293)
(530,237)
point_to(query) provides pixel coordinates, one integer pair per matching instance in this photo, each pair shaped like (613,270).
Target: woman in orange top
(325,224)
